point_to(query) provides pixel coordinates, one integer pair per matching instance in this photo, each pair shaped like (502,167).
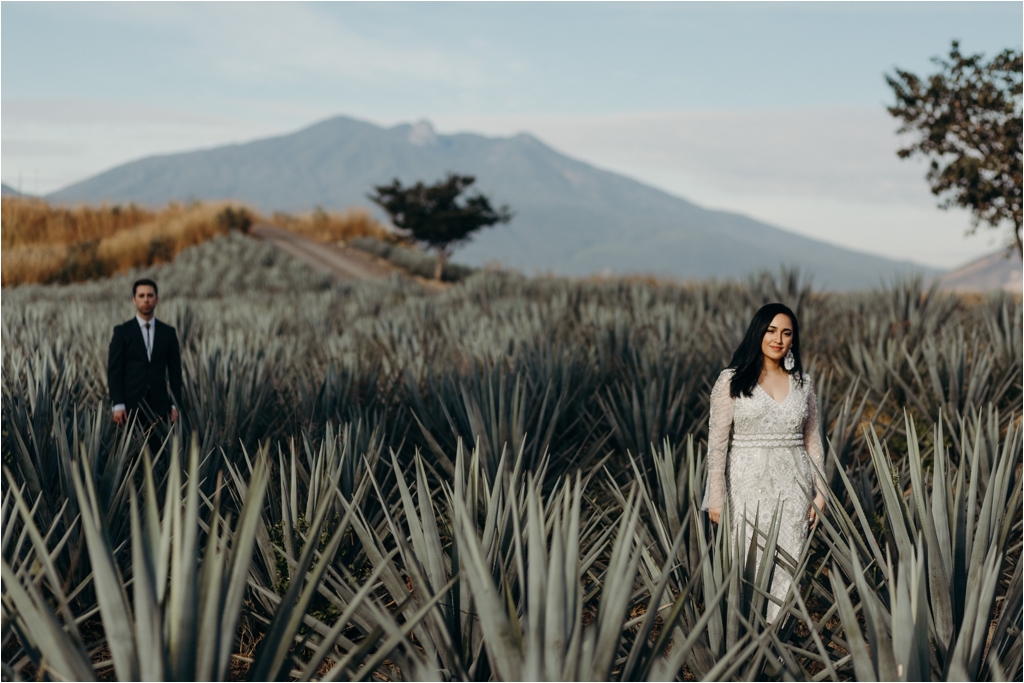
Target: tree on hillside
(433,216)
(968,116)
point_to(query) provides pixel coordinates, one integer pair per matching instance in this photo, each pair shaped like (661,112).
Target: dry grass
(46,244)
(324,226)
(33,222)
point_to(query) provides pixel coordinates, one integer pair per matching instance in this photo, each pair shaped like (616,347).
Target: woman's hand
(714,514)
(812,514)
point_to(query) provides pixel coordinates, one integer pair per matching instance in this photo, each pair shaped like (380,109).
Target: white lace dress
(775,455)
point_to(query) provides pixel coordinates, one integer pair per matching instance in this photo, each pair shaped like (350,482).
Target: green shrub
(411,260)
(235,219)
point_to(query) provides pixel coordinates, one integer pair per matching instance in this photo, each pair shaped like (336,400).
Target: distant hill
(570,218)
(1000,270)
(8,191)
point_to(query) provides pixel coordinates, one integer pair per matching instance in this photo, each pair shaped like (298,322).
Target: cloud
(828,173)
(63,140)
(280,43)
(842,153)
(73,111)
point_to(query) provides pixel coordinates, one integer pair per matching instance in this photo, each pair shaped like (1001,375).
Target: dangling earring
(789,361)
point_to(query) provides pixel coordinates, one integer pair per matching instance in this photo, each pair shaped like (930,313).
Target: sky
(773,110)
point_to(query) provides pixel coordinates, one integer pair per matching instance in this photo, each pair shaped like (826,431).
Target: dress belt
(767,441)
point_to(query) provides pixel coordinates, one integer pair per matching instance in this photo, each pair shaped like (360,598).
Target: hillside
(1000,270)
(48,244)
(571,218)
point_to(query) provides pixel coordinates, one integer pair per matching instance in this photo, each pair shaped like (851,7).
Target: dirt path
(350,264)
(345,262)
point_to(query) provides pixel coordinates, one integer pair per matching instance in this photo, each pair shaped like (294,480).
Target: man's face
(145,300)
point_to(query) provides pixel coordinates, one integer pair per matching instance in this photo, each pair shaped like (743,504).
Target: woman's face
(778,338)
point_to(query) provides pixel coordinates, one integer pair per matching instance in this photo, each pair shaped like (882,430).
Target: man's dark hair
(145,281)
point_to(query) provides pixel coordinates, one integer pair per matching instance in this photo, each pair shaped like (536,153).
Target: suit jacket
(136,380)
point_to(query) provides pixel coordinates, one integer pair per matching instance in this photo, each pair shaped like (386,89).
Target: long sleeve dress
(775,457)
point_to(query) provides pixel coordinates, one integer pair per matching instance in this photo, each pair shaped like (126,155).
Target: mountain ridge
(572,218)
(999,270)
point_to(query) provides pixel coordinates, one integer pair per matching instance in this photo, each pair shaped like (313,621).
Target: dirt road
(350,264)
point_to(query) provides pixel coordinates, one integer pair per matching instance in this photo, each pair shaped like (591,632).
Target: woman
(768,404)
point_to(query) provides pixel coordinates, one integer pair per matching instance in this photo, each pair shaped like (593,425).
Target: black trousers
(153,426)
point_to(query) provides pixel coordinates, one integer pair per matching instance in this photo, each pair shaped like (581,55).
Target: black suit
(138,381)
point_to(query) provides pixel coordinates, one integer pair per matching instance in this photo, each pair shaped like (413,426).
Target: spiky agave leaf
(950,555)
(51,649)
(139,633)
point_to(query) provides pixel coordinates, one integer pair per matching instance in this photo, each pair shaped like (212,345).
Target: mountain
(1001,270)
(570,217)
(8,191)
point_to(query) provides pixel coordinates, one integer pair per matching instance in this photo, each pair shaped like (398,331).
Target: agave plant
(564,541)
(929,583)
(185,604)
(42,441)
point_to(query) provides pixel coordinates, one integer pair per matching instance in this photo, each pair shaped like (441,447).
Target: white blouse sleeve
(719,426)
(812,437)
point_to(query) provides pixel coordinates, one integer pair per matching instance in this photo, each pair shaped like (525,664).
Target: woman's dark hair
(748,360)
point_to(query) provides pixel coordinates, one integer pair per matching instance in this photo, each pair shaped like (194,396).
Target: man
(144,356)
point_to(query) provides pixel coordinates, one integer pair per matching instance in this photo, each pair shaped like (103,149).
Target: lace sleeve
(812,437)
(719,425)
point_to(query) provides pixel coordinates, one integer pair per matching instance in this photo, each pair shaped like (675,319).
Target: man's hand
(714,514)
(819,501)
(174,414)
(120,417)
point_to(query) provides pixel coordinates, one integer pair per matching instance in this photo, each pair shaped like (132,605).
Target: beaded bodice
(759,422)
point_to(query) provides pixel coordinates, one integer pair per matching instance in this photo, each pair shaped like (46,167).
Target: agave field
(498,482)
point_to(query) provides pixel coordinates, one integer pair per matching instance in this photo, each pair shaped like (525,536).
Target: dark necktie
(149,343)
